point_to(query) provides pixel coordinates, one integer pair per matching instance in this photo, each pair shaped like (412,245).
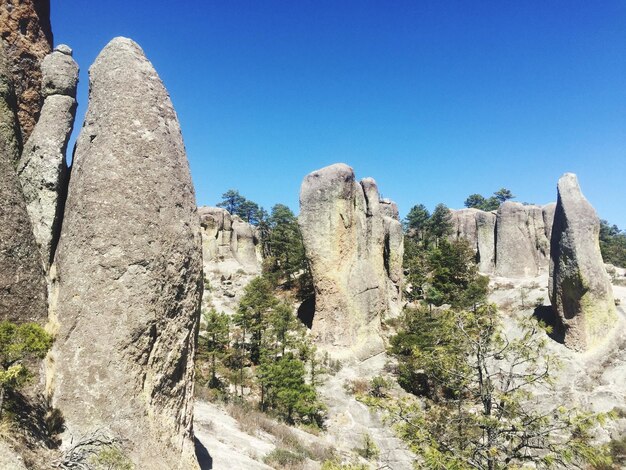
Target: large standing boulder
(345,233)
(516,252)
(580,289)
(130,271)
(25,27)
(42,167)
(23,292)
(548,219)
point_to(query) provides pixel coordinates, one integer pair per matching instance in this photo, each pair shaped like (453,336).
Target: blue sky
(434,99)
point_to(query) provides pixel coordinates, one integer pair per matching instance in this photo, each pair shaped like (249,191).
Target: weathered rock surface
(486,241)
(548,219)
(348,243)
(579,286)
(464,226)
(23,292)
(516,250)
(231,257)
(42,167)
(130,271)
(25,28)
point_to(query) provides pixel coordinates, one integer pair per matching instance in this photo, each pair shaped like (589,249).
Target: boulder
(516,251)
(579,287)
(43,167)
(25,28)
(129,271)
(23,291)
(541,242)
(354,251)
(486,241)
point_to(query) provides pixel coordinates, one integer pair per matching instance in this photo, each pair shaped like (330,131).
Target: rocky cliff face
(231,257)
(42,166)
(25,28)
(511,242)
(355,253)
(129,270)
(580,288)
(23,292)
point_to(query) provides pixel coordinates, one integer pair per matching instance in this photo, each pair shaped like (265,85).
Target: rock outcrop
(355,253)
(25,28)
(23,292)
(520,239)
(231,257)
(513,242)
(42,167)
(130,271)
(580,288)
(486,241)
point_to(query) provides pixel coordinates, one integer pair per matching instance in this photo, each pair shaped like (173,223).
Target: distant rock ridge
(510,242)
(354,244)
(129,266)
(227,239)
(580,288)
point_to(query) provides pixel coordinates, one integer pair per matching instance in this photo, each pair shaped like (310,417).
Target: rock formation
(130,271)
(22,281)
(25,28)
(514,242)
(355,253)
(580,288)
(231,257)
(42,167)
(486,241)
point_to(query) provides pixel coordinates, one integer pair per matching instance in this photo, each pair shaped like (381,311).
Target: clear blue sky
(434,99)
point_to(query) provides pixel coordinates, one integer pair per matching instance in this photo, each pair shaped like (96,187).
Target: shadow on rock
(546,314)
(204,458)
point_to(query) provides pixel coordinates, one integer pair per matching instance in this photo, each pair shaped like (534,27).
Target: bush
(283,458)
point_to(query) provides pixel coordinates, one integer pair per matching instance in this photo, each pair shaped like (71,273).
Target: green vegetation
(283,252)
(262,354)
(18,344)
(238,205)
(110,458)
(477,201)
(612,244)
(474,403)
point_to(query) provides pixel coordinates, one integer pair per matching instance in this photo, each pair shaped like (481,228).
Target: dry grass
(284,437)
(8,430)
(357,386)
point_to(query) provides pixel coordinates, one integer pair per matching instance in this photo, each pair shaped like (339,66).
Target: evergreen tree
(416,221)
(481,412)
(439,224)
(231,201)
(216,341)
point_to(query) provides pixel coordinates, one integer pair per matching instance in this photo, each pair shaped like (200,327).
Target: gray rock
(486,241)
(23,291)
(64,49)
(43,167)
(59,74)
(579,287)
(548,219)
(464,226)
(390,209)
(228,243)
(130,271)
(354,252)
(516,252)
(537,228)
